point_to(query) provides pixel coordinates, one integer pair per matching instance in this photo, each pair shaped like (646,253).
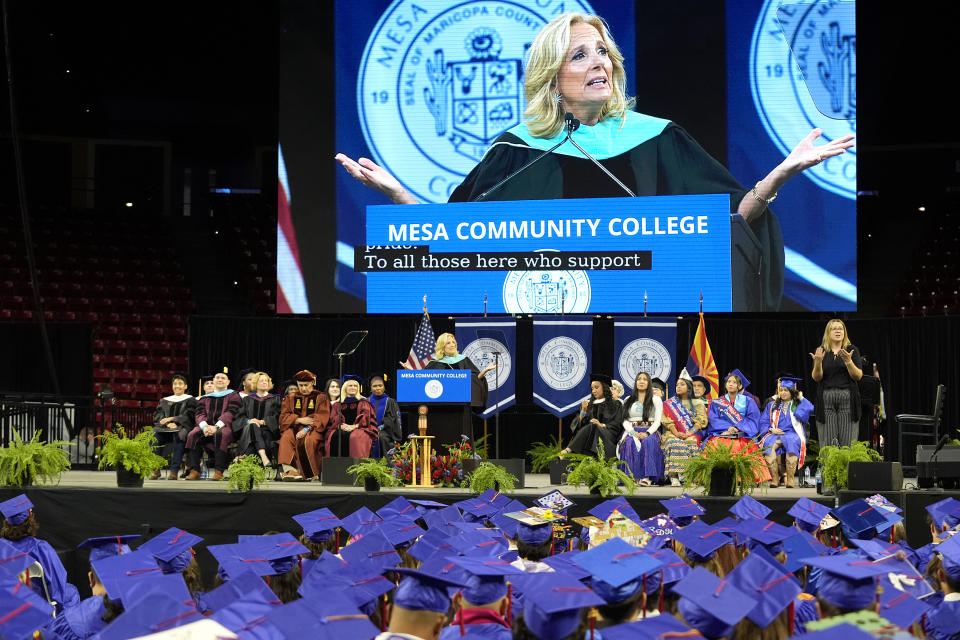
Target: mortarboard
(656,628)
(172,549)
(899,607)
(945,513)
(331,619)
(858,519)
(808,514)
(620,505)
(797,547)
(743,379)
(135,590)
(660,525)
(13,561)
(374,546)
(618,569)
(361,519)
(765,532)
(423,506)
(114,570)
(876,548)
(773,588)
(401,531)
(553,500)
(361,582)
(399,506)
(244,585)
(848,581)
(434,541)
(601,377)
(534,534)
(789,382)
(748,507)
(565,563)
(478,544)
(658,383)
(728,526)
(700,540)
(419,591)
(281,550)
(318,525)
(106,546)
(683,506)
(949,551)
(486,579)
(22,613)
(17,509)
(711,605)
(350,376)
(440,519)
(160,612)
(673,568)
(506,524)
(552,603)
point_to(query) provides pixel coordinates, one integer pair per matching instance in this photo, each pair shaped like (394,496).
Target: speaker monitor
(875,476)
(335,471)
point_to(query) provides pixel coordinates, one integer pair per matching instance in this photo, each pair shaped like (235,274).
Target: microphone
(571,126)
(940,445)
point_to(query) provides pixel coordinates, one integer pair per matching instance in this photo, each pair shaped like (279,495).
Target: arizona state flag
(701,361)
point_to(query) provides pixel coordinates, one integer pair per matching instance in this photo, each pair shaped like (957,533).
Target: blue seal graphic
(440,80)
(646,355)
(562,363)
(803,75)
(481,351)
(561,291)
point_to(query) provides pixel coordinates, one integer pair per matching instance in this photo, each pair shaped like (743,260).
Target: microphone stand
(496,402)
(933,466)
(572,125)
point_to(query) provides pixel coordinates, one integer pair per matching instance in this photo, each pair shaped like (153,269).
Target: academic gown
(942,621)
(357,443)
(61,591)
(587,434)
(78,622)
(183,410)
(789,419)
(477,623)
(649,155)
(266,408)
(448,424)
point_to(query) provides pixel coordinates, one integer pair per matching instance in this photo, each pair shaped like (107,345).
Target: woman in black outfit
(599,420)
(258,420)
(836,368)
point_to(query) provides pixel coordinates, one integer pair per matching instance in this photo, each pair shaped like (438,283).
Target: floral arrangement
(446,470)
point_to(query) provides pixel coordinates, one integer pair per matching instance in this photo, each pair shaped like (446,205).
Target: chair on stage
(920,426)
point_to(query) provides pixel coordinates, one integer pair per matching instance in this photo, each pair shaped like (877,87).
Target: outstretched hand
(806,155)
(818,355)
(372,175)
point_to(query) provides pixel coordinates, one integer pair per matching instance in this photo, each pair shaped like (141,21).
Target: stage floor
(536,484)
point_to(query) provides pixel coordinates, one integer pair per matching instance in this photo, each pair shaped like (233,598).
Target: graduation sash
(729,411)
(680,415)
(775,415)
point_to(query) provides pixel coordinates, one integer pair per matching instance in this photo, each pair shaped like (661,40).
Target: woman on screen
(575,67)
(836,367)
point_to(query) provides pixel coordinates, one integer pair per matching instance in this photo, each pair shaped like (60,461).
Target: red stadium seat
(125,375)
(103,375)
(123,389)
(138,362)
(114,360)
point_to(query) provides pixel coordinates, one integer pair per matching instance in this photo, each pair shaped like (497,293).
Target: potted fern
(834,461)
(490,476)
(602,476)
(373,474)
(721,471)
(546,457)
(22,463)
(134,458)
(245,473)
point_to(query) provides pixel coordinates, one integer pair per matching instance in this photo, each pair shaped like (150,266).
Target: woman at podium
(574,67)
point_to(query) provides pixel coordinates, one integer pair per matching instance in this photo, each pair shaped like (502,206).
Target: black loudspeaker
(946,466)
(874,476)
(335,471)
(514,466)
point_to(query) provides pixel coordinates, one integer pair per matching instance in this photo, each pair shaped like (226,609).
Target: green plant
(746,464)
(375,469)
(600,474)
(490,476)
(134,454)
(541,454)
(21,462)
(834,461)
(245,473)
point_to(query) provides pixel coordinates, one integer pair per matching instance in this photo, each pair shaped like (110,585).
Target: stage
(88,503)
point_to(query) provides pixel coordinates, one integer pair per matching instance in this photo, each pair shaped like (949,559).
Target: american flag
(424,344)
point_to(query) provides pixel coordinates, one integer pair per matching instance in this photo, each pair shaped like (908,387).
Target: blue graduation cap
(743,379)
(945,513)
(434,541)
(700,540)
(619,569)
(797,547)
(151,615)
(656,628)
(949,551)
(486,580)
(619,504)
(399,506)
(113,571)
(330,619)
(711,605)
(660,525)
(858,519)
(172,549)
(683,506)
(506,524)
(401,531)
(245,585)
(774,588)
(566,563)
(419,591)
(899,607)
(553,500)
(673,568)
(748,507)
(318,525)
(808,514)
(13,561)
(361,582)
(360,520)
(16,510)
(441,518)
(478,544)
(373,546)
(423,506)
(876,548)
(848,581)
(22,612)
(765,532)
(552,603)
(106,546)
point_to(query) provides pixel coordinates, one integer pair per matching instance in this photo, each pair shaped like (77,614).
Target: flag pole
(484,304)
(560,432)
(425,306)
(701,302)
(644,303)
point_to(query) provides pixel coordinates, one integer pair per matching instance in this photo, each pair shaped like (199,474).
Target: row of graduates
(488,567)
(654,435)
(300,427)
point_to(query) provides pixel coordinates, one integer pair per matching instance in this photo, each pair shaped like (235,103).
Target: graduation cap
(16,510)
(424,506)
(506,524)
(433,542)
(21,614)
(318,525)
(876,548)
(440,519)
(361,582)
(658,383)
(401,531)
(486,579)
(743,379)
(673,568)
(774,588)
(949,551)
(106,546)
(620,505)
(618,569)
(899,607)
(683,506)
(243,615)
(728,525)
(656,628)
(419,591)
(373,546)
(700,540)
(330,619)
(711,605)
(808,514)
(858,519)
(534,534)
(478,544)
(114,571)
(660,525)
(172,549)
(553,500)
(150,615)
(848,581)
(245,584)
(399,506)
(350,376)
(748,507)
(601,377)
(243,373)
(789,382)
(360,520)
(765,532)
(945,513)
(552,603)
(13,561)
(566,563)
(797,547)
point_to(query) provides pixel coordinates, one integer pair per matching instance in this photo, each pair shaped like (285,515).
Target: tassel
(793,617)
(510,604)
(660,600)
(463,629)
(643,585)
(383,613)
(593,623)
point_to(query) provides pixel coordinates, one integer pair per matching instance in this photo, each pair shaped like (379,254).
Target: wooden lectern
(422,451)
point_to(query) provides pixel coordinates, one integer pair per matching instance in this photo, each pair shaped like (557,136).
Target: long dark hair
(777,401)
(635,395)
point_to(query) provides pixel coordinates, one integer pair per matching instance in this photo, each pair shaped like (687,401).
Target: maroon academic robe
(360,439)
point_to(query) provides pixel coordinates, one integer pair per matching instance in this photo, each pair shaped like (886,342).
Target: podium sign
(434,386)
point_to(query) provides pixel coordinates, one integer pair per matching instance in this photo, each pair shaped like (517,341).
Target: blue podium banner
(561,256)
(434,386)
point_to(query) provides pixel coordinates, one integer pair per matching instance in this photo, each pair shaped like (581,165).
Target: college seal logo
(562,363)
(441,79)
(546,291)
(480,352)
(646,355)
(433,388)
(803,61)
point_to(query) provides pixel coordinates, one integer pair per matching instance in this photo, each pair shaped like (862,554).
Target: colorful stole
(797,428)
(728,410)
(680,415)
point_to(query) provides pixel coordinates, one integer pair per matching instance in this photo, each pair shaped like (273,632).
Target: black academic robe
(586,435)
(183,413)
(670,163)
(449,423)
(266,408)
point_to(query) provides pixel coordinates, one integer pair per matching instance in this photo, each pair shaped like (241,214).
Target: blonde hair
(343,390)
(442,341)
(257,379)
(546,55)
(826,335)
